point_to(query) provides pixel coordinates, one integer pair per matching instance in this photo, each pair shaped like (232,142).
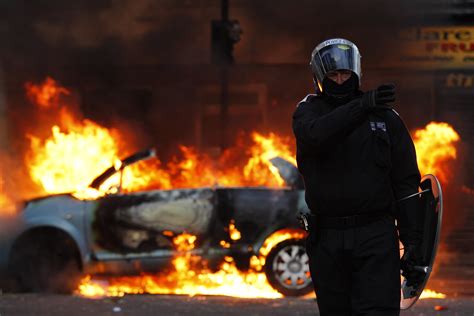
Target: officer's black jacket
(353,160)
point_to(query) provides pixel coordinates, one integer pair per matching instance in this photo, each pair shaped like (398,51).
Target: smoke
(125,21)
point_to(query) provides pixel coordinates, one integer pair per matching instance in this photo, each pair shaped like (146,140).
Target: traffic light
(224,34)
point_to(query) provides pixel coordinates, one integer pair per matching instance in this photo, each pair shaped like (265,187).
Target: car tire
(46,266)
(287,268)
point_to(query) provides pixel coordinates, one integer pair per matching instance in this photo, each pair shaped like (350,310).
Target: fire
(192,170)
(234,232)
(6,204)
(45,95)
(431,294)
(278,237)
(259,167)
(257,262)
(435,145)
(189,277)
(69,160)
(77,150)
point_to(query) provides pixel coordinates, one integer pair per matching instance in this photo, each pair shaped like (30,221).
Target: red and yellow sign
(437,47)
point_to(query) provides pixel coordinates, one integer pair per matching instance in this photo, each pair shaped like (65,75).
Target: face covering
(344,90)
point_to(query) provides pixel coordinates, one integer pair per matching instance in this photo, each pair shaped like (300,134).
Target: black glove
(412,257)
(379,97)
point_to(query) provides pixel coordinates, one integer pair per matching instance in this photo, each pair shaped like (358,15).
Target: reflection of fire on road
(76,150)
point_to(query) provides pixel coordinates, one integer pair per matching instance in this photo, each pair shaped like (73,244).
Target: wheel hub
(295,266)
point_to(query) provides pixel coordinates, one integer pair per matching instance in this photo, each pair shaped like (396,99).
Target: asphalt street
(42,304)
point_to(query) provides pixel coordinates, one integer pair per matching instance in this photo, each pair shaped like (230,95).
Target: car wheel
(287,268)
(46,265)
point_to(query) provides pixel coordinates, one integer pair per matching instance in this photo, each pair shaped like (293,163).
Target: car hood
(288,172)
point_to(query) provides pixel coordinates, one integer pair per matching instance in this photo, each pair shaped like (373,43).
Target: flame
(69,160)
(77,150)
(435,145)
(6,204)
(278,237)
(45,95)
(189,276)
(431,294)
(259,169)
(234,233)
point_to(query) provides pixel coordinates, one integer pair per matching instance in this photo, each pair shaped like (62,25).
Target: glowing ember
(431,294)
(184,242)
(233,231)
(435,145)
(45,95)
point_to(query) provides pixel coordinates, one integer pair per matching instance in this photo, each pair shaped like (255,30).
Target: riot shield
(432,204)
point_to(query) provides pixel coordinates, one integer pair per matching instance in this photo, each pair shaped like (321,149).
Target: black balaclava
(341,93)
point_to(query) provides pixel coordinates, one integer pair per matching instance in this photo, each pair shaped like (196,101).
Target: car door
(147,222)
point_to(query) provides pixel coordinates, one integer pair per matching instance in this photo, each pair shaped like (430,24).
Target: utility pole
(224,34)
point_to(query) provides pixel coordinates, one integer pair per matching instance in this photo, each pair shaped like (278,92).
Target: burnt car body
(65,237)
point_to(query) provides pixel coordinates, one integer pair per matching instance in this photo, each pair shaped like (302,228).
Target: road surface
(43,304)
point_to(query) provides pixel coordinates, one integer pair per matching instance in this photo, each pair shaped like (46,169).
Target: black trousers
(356,271)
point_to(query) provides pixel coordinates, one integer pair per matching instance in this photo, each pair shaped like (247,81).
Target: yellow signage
(437,47)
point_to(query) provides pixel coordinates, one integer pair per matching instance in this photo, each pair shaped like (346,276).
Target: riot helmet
(333,55)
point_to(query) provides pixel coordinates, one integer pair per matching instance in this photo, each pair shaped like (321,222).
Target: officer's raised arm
(340,106)
(318,131)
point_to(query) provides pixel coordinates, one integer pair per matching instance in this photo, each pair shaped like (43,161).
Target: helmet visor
(336,57)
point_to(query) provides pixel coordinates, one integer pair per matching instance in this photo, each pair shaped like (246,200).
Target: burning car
(61,237)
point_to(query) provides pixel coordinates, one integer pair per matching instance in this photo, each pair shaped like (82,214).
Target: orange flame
(234,233)
(431,294)
(259,169)
(189,276)
(435,145)
(6,204)
(69,160)
(79,150)
(45,95)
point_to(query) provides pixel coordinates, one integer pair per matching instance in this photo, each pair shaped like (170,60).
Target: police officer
(357,159)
